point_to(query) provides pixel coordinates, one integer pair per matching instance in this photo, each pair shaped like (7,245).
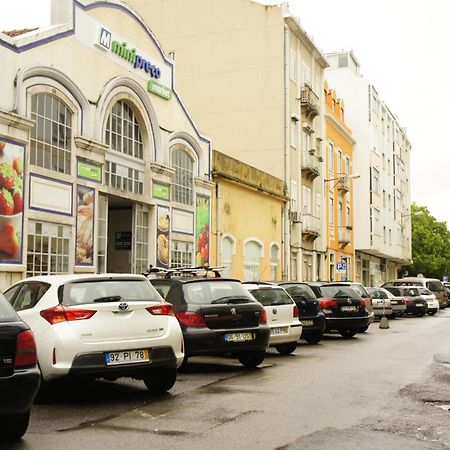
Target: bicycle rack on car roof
(199,271)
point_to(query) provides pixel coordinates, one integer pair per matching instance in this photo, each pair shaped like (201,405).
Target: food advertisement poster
(162,237)
(84,254)
(11,201)
(202,231)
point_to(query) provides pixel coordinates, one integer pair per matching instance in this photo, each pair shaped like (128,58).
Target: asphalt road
(381,389)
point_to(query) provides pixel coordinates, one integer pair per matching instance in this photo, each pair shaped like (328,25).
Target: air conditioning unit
(295,216)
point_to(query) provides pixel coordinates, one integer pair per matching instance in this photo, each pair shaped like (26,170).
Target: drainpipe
(286,222)
(218,221)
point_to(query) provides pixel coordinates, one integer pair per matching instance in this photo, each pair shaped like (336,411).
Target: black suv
(415,303)
(19,374)
(310,314)
(345,310)
(218,316)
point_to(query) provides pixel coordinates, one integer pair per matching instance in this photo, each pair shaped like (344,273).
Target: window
(384,198)
(347,165)
(227,256)
(182,254)
(123,133)
(330,156)
(390,236)
(48,248)
(293,65)
(141,240)
(183,181)
(306,200)
(294,134)
(51,137)
(331,268)
(348,221)
(102,233)
(375,181)
(343,60)
(294,196)
(339,166)
(318,205)
(124,178)
(375,221)
(340,214)
(29,294)
(274,257)
(331,211)
(384,235)
(252,260)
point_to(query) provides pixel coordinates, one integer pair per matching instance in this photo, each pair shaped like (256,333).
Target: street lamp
(341,178)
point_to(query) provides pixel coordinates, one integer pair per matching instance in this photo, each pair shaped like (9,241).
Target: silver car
(381,302)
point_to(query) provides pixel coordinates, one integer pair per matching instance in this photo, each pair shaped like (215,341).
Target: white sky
(403,47)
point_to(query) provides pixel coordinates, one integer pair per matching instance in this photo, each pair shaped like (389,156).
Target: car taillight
(191,319)
(61,313)
(295,312)
(163,309)
(25,350)
(263,317)
(407,299)
(370,300)
(327,303)
(362,302)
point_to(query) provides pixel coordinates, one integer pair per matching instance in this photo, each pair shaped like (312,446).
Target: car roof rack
(198,271)
(268,283)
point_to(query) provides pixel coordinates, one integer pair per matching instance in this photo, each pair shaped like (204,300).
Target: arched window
(123,133)
(252,261)
(51,137)
(227,256)
(183,182)
(274,257)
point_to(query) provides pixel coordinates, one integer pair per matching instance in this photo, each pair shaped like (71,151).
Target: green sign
(161,191)
(159,89)
(89,171)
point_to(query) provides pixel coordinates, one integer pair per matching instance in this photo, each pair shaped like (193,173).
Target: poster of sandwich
(162,237)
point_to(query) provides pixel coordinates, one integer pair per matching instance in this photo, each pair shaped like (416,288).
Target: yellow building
(338,190)
(247,220)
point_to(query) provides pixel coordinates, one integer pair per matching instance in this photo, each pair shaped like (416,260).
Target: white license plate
(238,337)
(307,323)
(127,357)
(419,305)
(348,308)
(279,330)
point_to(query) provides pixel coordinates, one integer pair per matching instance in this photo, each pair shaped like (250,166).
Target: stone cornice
(12,119)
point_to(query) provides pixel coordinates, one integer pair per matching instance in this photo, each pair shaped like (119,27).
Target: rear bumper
(204,341)
(18,390)
(416,308)
(293,335)
(380,312)
(346,323)
(397,309)
(318,325)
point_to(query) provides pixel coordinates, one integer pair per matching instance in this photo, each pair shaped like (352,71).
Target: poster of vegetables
(11,201)
(162,237)
(84,255)
(202,231)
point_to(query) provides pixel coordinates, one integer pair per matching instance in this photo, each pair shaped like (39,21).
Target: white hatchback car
(282,315)
(433,303)
(101,326)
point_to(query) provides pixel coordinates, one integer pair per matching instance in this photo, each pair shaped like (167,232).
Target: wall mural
(84,254)
(162,237)
(11,202)
(202,231)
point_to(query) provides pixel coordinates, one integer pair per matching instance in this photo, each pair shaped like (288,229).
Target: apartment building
(382,225)
(339,190)
(253,79)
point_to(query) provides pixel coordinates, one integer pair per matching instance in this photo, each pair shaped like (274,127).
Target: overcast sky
(403,47)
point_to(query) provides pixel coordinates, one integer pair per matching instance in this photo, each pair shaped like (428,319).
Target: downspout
(218,261)
(286,222)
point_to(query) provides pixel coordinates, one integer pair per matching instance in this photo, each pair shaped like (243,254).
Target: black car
(218,316)
(19,374)
(415,304)
(345,310)
(310,314)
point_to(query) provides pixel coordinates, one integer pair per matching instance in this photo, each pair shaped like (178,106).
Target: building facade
(105,168)
(339,188)
(382,225)
(253,79)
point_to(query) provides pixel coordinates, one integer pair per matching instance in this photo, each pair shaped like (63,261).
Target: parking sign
(341,267)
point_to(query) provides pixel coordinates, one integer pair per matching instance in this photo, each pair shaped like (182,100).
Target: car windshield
(104,291)
(271,296)
(338,292)
(7,313)
(435,286)
(299,291)
(216,292)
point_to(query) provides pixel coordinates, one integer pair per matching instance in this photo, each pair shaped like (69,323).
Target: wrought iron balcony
(344,236)
(310,164)
(310,226)
(310,102)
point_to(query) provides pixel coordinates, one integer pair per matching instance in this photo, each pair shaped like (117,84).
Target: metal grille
(184,175)
(141,240)
(182,254)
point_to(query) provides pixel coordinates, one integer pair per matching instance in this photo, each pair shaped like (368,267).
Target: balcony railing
(310,101)
(310,164)
(345,236)
(310,226)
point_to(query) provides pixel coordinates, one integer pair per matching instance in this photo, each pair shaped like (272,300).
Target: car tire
(184,363)
(286,349)
(160,380)
(363,329)
(347,334)
(432,313)
(314,338)
(14,426)
(252,359)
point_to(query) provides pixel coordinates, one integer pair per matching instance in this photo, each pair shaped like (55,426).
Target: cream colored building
(253,80)
(112,171)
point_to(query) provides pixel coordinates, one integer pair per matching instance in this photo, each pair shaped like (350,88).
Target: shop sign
(161,191)
(84,254)
(202,231)
(123,240)
(89,171)
(159,89)
(162,237)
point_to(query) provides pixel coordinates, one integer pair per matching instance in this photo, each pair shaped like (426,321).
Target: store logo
(105,39)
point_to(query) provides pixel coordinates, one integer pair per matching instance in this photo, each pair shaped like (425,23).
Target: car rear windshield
(271,296)
(435,286)
(299,291)
(105,291)
(216,292)
(411,283)
(411,292)
(425,291)
(360,290)
(338,292)
(7,313)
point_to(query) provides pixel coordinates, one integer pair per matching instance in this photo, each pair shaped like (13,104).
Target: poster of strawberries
(202,231)
(84,255)
(11,201)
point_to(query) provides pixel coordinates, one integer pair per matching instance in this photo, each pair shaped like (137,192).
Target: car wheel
(184,363)
(420,314)
(432,313)
(14,426)
(363,329)
(314,338)
(252,359)
(347,334)
(160,380)
(286,349)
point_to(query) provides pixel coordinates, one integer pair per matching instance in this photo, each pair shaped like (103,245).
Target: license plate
(307,323)
(419,305)
(279,330)
(238,337)
(348,308)
(128,357)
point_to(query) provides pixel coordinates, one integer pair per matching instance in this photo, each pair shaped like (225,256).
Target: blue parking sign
(341,267)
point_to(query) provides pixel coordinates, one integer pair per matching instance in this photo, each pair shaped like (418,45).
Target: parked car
(433,284)
(19,374)
(415,304)
(345,310)
(282,316)
(433,304)
(310,314)
(398,304)
(100,326)
(381,303)
(447,288)
(218,316)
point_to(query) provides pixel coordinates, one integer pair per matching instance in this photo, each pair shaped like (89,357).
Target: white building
(382,223)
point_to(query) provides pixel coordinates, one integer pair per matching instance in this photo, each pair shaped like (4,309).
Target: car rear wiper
(230,299)
(111,298)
